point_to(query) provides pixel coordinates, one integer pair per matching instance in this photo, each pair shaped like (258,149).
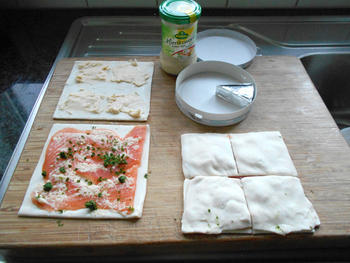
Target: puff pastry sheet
(29,209)
(262,153)
(106,87)
(278,204)
(213,205)
(207,154)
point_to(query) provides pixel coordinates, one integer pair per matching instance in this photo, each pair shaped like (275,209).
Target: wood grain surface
(287,101)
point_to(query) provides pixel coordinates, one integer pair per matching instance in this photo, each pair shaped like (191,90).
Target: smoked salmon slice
(93,168)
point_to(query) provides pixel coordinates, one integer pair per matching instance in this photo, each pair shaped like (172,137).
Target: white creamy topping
(88,101)
(130,73)
(90,166)
(89,71)
(83,100)
(131,104)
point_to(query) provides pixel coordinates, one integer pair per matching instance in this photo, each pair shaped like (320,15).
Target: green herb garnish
(91,205)
(122,179)
(113,159)
(47,187)
(43,173)
(63,155)
(62,170)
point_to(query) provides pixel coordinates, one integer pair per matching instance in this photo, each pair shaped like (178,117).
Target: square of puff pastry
(278,204)
(214,205)
(262,153)
(207,154)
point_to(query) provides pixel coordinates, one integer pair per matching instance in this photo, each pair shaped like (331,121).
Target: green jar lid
(180,11)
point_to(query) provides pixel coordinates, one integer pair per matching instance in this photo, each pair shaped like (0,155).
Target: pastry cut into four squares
(268,189)
(245,154)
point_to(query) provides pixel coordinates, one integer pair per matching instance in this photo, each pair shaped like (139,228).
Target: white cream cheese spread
(88,101)
(131,104)
(83,100)
(89,71)
(130,72)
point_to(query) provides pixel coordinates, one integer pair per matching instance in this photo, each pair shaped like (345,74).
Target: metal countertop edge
(5,181)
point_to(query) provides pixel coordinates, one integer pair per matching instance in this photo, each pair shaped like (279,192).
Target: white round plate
(225,45)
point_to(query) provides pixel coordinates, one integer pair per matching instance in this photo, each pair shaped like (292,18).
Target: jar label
(178,43)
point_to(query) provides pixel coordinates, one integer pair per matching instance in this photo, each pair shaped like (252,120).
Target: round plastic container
(179,31)
(230,46)
(196,93)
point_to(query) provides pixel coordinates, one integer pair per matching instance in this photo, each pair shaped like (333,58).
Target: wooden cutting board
(287,101)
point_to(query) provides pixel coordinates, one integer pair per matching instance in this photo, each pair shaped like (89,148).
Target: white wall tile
(52,3)
(262,3)
(323,3)
(122,3)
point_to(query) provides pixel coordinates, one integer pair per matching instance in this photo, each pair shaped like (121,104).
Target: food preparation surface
(287,101)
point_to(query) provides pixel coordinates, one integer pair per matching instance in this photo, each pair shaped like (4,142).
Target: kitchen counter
(108,36)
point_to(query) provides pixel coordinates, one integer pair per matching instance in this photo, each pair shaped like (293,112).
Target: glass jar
(179,31)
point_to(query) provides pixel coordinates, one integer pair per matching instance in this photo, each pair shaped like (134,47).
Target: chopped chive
(63,155)
(122,179)
(91,205)
(47,187)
